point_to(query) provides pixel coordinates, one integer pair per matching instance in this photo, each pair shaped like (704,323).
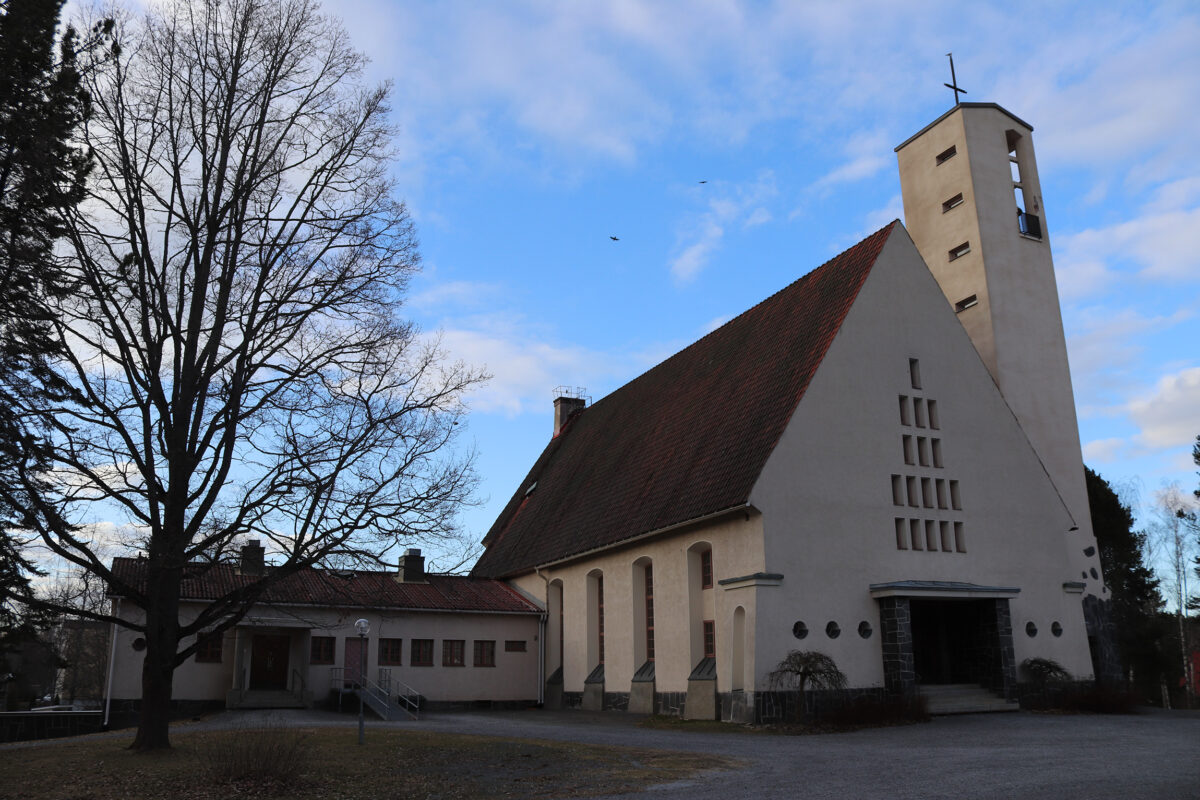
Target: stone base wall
(572,700)
(593,697)
(791,706)
(737,707)
(641,697)
(669,704)
(701,700)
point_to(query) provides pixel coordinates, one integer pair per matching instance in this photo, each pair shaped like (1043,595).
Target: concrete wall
(679,604)
(514,678)
(826,493)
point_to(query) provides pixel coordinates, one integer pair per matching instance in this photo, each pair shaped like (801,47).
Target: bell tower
(973,206)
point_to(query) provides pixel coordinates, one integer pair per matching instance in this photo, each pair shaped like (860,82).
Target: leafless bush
(267,755)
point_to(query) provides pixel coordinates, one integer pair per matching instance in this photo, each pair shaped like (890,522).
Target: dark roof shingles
(686,439)
(320,587)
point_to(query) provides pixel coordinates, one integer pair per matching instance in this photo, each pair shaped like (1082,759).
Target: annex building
(880,462)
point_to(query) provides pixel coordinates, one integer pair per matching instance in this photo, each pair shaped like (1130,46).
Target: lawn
(328,763)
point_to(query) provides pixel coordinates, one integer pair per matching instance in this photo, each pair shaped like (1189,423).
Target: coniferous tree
(42,171)
(1136,600)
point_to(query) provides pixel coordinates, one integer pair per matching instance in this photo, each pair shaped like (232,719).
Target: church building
(880,462)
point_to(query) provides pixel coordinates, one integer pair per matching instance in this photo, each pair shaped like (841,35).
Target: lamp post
(363,627)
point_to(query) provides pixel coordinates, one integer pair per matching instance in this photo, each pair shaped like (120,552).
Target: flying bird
(703,181)
(615,239)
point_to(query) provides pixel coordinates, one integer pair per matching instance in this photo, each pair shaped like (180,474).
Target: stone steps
(964,698)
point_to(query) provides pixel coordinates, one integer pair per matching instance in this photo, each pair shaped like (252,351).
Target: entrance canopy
(941,589)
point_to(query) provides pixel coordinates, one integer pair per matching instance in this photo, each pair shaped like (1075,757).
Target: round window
(799,630)
(864,629)
(139,644)
(832,630)
(1055,628)
(1030,629)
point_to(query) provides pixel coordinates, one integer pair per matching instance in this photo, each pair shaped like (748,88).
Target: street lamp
(363,627)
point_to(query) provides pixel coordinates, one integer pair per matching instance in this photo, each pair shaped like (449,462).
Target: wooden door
(269,661)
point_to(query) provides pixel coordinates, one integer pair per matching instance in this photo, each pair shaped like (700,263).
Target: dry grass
(408,764)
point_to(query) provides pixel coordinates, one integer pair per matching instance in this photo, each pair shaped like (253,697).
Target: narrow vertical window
(905,418)
(941,493)
(649,612)
(914,373)
(960,541)
(955,499)
(706,570)
(710,639)
(923,450)
(931,405)
(914,499)
(901,534)
(915,535)
(600,616)
(897,490)
(936,445)
(944,531)
(931,536)
(919,412)
(909,458)
(926,492)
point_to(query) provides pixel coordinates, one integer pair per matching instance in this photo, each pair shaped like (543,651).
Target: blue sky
(531,132)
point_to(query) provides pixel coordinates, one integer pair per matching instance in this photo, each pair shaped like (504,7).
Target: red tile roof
(685,440)
(336,588)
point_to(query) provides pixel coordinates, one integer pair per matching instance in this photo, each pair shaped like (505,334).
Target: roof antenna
(953,84)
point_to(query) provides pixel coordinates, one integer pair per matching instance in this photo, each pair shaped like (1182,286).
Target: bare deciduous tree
(236,360)
(1171,531)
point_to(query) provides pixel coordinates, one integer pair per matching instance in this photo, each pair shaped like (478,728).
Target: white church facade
(880,462)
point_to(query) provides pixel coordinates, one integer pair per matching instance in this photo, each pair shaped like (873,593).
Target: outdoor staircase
(388,699)
(964,698)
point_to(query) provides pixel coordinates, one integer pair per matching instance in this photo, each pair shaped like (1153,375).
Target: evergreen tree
(42,171)
(1136,600)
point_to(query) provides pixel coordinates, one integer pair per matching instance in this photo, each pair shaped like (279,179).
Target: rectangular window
(897,490)
(931,536)
(909,458)
(946,155)
(320,650)
(452,652)
(936,445)
(944,531)
(905,418)
(960,542)
(649,612)
(960,251)
(927,492)
(965,303)
(421,653)
(914,499)
(485,653)
(514,645)
(901,534)
(953,202)
(710,639)
(955,500)
(389,652)
(919,412)
(941,493)
(706,571)
(209,651)
(931,405)
(914,373)
(915,535)
(923,450)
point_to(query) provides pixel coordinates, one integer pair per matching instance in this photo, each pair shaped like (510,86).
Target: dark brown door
(269,661)
(357,650)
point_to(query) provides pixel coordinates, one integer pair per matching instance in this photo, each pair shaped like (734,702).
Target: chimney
(567,402)
(253,557)
(412,566)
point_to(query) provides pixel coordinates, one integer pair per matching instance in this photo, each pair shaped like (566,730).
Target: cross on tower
(953,84)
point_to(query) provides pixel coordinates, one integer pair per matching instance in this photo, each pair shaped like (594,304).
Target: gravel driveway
(1155,756)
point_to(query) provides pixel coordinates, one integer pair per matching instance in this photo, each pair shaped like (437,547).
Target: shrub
(1042,671)
(269,755)
(807,669)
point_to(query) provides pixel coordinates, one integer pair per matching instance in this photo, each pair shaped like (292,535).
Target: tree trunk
(158,669)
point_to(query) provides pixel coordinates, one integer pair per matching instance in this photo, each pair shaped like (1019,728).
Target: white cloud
(1104,451)
(716,322)
(1104,343)
(455,294)
(732,205)
(867,154)
(1170,415)
(1164,245)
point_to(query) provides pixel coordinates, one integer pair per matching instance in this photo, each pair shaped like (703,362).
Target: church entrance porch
(946,633)
(269,661)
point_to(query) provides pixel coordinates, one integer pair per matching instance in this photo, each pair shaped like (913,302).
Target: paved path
(1152,756)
